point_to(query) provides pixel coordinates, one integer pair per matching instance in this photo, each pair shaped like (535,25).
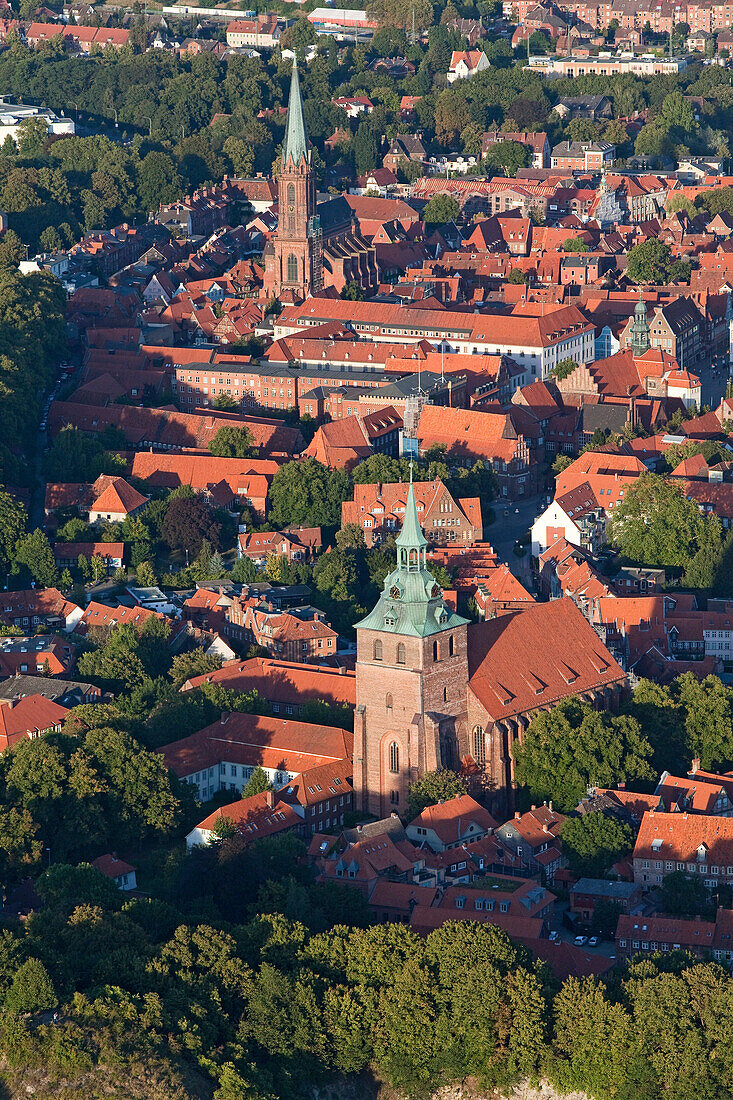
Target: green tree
(227,402)
(508,156)
(34,551)
(431,788)
(650,261)
(561,463)
(307,493)
(32,134)
(440,209)
(197,662)
(13,520)
(564,368)
(605,917)
(32,989)
(257,783)
(574,244)
(573,747)
(145,574)
(655,524)
(593,842)
(231,442)
(685,896)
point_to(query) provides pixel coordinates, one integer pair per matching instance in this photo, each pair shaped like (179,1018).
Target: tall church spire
(296,143)
(411,602)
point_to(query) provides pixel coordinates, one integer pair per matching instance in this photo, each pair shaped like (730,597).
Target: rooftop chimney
(517,815)
(270,799)
(549,805)
(695,766)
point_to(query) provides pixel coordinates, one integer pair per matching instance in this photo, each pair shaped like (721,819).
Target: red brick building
(380,509)
(431,693)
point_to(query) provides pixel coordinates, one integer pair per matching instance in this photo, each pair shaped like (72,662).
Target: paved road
(506,529)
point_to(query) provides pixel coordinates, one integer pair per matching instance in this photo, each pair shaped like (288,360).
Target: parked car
(580,940)
(554,937)
(593,941)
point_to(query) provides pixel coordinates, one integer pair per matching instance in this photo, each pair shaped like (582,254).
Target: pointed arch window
(479,745)
(291,192)
(401,654)
(292,268)
(389,702)
(378,650)
(394,757)
(436,650)
(413,559)
(450,646)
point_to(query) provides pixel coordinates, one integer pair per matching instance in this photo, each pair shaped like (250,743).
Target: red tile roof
(32,714)
(685,838)
(533,658)
(253,739)
(119,498)
(283,681)
(111,866)
(455,820)
(254,817)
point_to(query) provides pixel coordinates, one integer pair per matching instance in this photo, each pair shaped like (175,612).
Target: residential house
(451,824)
(28,717)
(255,817)
(223,756)
(534,836)
(116,502)
(122,874)
(379,510)
(700,845)
(465,64)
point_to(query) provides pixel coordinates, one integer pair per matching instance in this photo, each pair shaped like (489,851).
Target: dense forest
(244,981)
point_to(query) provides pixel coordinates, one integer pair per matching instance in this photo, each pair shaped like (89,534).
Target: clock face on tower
(395,592)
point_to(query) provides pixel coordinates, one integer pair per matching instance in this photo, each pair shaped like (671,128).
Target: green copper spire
(296,138)
(411,535)
(640,330)
(412,600)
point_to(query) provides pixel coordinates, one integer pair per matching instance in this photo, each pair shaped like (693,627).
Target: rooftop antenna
(411,465)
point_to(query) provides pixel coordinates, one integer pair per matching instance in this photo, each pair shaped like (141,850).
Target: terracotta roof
(253,817)
(684,838)
(111,866)
(404,896)
(31,714)
(527,929)
(254,739)
(455,820)
(119,497)
(100,615)
(323,782)
(283,681)
(535,825)
(529,659)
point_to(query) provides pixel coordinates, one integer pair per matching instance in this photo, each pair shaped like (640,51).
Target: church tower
(293,258)
(640,330)
(411,680)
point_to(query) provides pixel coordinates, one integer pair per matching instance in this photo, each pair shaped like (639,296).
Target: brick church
(315,245)
(434,690)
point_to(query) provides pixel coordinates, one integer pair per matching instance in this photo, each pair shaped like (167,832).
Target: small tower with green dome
(640,331)
(411,677)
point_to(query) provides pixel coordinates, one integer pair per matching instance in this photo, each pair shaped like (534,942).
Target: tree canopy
(655,524)
(573,747)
